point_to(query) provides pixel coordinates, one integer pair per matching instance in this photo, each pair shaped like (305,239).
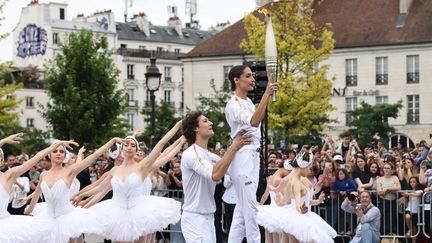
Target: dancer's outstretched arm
(12,139)
(34,199)
(155,153)
(96,198)
(172,152)
(104,183)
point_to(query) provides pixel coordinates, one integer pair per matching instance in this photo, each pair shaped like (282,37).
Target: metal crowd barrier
(393,216)
(393,219)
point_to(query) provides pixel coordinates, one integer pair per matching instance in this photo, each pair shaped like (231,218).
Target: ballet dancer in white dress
(15,228)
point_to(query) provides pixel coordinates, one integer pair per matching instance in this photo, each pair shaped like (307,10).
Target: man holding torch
(241,116)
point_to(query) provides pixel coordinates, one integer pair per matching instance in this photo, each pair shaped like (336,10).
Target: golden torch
(271,57)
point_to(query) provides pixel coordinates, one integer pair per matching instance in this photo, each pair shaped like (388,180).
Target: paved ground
(89,238)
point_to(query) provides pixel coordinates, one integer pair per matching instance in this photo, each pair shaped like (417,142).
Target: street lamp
(153,77)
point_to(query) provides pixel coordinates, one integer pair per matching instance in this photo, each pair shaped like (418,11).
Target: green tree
(34,140)
(213,107)
(85,103)
(303,99)
(165,119)
(9,103)
(370,122)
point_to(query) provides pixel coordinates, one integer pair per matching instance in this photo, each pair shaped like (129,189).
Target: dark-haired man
(201,169)
(241,115)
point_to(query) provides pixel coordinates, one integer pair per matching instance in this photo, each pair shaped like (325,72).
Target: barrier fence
(396,217)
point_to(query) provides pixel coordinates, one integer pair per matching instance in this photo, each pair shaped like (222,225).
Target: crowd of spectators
(396,178)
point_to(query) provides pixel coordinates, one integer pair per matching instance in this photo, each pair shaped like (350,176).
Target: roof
(65,24)
(130,31)
(355,23)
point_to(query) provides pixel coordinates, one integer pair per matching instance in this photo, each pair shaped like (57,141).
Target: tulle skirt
(22,229)
(148,215)
(69,225)
(308,227)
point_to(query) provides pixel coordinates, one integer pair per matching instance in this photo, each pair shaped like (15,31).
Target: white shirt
(238,113)
(18,193)
(198,185)
(413,203)
(229,195)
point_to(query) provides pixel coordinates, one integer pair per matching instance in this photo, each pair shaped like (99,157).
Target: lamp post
(153,77)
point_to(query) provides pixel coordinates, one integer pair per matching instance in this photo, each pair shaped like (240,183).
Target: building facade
(382,54)
(42,26)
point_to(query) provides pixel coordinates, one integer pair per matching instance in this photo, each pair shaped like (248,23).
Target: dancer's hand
(67,143)
(304,208)
(240,140)
(13,139)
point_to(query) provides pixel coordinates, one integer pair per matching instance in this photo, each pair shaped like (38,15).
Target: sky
(209,12)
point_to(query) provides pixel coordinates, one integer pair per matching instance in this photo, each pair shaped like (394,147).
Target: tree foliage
(165,119)
(213,107)
(85,103)
(9,103)
(370,122)
(303,99)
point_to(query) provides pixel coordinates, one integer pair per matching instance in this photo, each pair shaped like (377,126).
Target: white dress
(267,215)
(42,206)
(131,214)
(308,227)
(66,220)
(17,228)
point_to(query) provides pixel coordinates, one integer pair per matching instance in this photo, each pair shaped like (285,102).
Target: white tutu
(308,227)
(130,214)
(17,228)
(65,220)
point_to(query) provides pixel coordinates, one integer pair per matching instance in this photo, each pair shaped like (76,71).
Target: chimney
(142,23)
(80,18)
(404,6)
(175,22)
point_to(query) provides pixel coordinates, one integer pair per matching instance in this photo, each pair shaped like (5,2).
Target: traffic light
(260,75)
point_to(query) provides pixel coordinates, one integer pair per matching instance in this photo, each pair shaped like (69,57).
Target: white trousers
(244,172)
(198,228)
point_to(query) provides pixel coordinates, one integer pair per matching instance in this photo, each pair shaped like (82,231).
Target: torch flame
(263,11)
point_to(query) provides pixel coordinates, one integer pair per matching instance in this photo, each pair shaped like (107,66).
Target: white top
(18,193)
(229,195)
(413,203)
(238,113)
(198,185)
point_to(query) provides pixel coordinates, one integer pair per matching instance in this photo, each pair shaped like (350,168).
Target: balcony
(168,79)
(382,79)
(413,78)
(133,103)
(131,77)
(413,118)
(351,80)
(129,52)
(171,104)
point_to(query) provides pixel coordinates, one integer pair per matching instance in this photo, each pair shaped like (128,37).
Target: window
(29,102)
(167,96)
(351,104)
(167,73)
(9,97)
(130,71)
(55,38)
(413,108)
(226,82)
(123,46)
(182,73)
(30,122)
(380,100)
(159,49)
(130,94)
(413,69)
(142,47)
(177,50)
(62,13)
(381,70)
(130,118)
(351,72)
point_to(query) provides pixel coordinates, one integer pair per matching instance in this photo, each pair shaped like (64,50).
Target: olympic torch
(271,53)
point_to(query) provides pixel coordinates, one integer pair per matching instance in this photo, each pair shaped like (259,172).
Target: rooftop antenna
(130,3)
(191,10)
